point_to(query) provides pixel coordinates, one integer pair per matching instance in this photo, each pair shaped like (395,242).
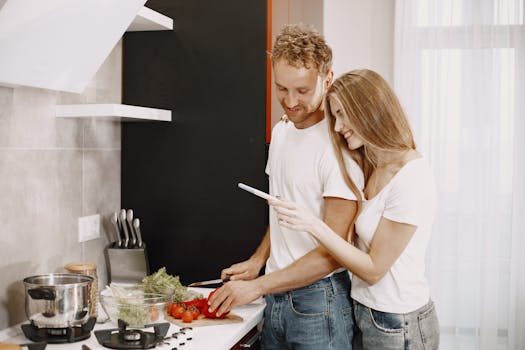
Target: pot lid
(80,267)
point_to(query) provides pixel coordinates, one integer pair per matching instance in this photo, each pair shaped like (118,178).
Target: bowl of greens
(134,305)
(164,283)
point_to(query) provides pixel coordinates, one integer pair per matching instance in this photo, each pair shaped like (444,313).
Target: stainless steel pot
(58,300)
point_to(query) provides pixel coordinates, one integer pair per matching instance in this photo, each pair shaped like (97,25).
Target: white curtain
(460,73)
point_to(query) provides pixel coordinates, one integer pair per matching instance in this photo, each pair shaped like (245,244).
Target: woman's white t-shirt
(408,198)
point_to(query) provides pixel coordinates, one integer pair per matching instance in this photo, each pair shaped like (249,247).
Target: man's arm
(249,269)
(338,214)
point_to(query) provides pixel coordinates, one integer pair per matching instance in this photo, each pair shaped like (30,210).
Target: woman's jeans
(389,331)
(315,317)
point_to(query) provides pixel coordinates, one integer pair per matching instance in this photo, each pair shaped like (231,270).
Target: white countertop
(221,337)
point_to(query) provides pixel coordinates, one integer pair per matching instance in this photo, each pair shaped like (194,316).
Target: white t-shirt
(409,198)
(303,168)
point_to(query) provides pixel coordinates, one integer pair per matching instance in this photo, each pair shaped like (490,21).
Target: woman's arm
(390,239)
(309,268)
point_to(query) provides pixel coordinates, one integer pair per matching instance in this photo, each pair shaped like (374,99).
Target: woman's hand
(294,216)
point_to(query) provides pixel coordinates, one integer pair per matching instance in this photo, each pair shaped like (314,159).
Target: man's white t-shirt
(408,198)
(302,167)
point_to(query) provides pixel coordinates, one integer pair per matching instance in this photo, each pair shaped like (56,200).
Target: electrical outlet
(88,227)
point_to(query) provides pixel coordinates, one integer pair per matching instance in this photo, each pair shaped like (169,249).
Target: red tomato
(177,311)
(168,308)
(194,311)
(171,308)
(213,314)
(187,316)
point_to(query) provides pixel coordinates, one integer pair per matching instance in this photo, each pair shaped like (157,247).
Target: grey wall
(52,171)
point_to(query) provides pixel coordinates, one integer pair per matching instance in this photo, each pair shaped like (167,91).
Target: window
(460,74)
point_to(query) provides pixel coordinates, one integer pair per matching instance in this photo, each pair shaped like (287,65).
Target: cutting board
(202,321)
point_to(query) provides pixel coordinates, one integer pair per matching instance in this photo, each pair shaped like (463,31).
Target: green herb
(162,283)
(134,315)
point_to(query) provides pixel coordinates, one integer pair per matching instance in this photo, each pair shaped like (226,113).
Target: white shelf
(113,112)
(149,20)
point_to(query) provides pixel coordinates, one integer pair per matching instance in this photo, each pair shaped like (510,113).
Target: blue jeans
(318,316)
(389,331)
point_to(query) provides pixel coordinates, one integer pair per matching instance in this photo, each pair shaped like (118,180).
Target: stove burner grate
(123,338)
(59,335)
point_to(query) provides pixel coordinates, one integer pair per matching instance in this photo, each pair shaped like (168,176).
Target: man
(306,291)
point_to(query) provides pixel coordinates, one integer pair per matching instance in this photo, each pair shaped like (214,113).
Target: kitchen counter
(220,337)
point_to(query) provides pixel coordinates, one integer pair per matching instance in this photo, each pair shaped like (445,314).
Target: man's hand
(234,293)
(246,270)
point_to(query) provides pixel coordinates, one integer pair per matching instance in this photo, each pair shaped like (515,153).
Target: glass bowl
(134,306)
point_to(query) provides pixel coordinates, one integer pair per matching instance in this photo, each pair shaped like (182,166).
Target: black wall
(181,177)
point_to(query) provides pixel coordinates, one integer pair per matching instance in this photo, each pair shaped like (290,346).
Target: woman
(391,295)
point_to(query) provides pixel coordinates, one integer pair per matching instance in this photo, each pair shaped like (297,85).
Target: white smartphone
(257,192)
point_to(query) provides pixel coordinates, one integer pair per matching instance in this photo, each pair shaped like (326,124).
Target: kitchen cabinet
(251,341)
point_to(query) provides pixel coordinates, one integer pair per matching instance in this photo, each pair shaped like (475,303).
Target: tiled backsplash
(52,171)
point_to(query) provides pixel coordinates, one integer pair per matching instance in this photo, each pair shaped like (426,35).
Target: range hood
(59,44)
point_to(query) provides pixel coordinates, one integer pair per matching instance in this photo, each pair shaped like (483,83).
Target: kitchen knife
(129,225)
(136,226)
(208,282)
(120,230)
(114,221)
(122,222)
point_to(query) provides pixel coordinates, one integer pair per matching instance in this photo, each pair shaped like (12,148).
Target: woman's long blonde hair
(375,115)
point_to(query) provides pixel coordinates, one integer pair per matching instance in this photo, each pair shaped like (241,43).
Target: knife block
(126,265)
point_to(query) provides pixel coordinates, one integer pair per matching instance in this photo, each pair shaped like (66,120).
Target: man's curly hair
(301,46)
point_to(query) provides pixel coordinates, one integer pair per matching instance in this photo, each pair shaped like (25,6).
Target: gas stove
(208,337)
(124,337)
(59,335)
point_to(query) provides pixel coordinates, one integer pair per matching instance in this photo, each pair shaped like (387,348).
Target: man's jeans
(315,317)
(389,331)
